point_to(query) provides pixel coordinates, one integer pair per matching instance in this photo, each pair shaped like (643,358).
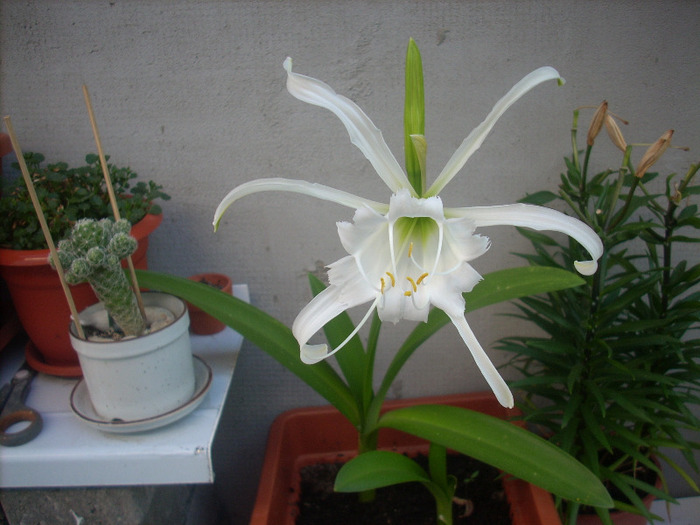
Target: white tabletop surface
(69,453)
(687,512)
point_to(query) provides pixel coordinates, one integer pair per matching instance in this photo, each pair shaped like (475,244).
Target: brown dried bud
(614,133)
(653,153)
(597,122)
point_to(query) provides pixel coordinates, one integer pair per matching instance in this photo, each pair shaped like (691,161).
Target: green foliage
(93,253)
(67,195)
(615,378)
(488,439)
(414,117)
(362,408)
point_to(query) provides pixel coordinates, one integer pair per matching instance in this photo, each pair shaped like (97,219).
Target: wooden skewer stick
(44,227)
(112,196)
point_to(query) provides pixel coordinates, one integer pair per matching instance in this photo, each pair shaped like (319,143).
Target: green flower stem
(574,143)
(443,504)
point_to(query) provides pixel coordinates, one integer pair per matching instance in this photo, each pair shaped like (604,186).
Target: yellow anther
(408,294)
(413,284)
(381,279)
(410,249)
(420,279)
(393,279)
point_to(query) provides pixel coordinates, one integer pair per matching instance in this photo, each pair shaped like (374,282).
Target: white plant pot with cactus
(137,362)
(141,377)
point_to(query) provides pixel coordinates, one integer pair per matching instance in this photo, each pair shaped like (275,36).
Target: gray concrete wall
(192,95)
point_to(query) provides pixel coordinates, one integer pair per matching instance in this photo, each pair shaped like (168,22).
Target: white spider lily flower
(413,253)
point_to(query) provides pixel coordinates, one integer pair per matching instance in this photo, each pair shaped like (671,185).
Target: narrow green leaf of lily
(414,116)
(503,445)
(261,329)
(377,469)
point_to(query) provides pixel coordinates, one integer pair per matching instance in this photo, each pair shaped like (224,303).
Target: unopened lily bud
(597,122)
(614,133)
(653,153)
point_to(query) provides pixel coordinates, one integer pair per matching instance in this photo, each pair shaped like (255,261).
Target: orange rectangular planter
(305,436)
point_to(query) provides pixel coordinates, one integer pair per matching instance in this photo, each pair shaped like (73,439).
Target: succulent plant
(68,194)
(93,253)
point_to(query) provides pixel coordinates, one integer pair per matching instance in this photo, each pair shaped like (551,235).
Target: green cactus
(92,253)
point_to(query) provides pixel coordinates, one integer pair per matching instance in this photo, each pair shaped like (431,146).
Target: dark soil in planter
(405,504)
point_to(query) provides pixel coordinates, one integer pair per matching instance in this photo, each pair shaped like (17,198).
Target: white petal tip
(508,403)
(586,267)
(504,396)
(288,64)
(311,354)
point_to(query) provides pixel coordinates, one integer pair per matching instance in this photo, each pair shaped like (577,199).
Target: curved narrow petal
(363,133)
(493,378)
(296,186)
(477,136)
(538,218)
(323,308)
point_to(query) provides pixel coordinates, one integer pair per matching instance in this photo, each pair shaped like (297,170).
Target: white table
(687,512)
(69,453)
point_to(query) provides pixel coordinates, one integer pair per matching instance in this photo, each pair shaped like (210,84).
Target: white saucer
(82,406)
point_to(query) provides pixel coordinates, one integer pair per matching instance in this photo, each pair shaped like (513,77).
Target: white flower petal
(478,134)
(347,289)
(363,133)
(537,218)
(493,378)
(296,186)
(446,291)
(321,310)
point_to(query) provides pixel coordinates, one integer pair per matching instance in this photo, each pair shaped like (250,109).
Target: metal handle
(25,414)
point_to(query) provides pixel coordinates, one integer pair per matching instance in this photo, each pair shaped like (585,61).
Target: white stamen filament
(439,248)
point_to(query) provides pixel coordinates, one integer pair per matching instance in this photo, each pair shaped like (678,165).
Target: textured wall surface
(192,95)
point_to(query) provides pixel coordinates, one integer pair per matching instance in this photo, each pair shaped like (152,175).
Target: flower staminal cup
(412,253)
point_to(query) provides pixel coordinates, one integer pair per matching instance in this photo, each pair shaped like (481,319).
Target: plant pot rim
(278,469)
(10,257)
(126,347)
(217,275)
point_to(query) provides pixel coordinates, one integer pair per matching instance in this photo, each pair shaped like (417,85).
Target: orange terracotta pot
(201,323)
(312,435)
(38,298)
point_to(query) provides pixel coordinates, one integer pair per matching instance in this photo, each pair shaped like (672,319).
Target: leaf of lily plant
(503,445)
(377,469)
(261,329)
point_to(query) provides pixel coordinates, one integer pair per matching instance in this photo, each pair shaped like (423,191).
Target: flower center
(385,284)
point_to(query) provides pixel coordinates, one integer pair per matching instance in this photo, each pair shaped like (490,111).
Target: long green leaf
(261,329)
(376,469)
(503,445)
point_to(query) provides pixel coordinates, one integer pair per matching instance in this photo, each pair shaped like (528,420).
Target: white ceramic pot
(142,377)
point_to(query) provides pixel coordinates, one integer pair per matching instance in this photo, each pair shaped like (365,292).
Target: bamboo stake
(44,227)
(112,196)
